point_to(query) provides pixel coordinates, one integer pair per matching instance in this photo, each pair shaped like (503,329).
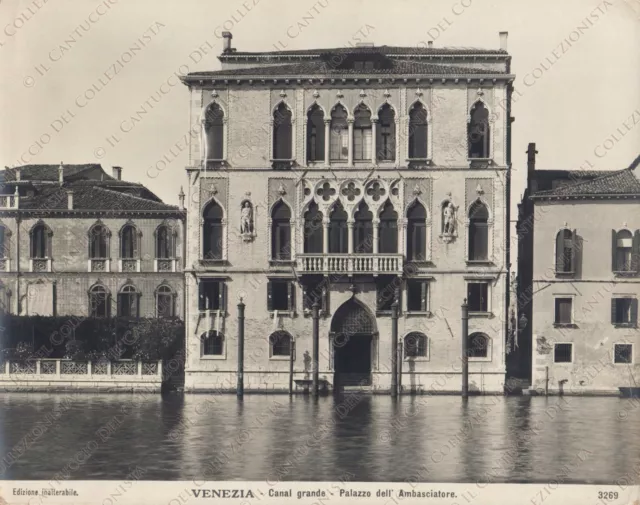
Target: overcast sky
(580,108)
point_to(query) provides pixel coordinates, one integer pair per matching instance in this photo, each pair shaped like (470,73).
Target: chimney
(531,159)
(181,198)
(61,174)
(635,163)
(70,200)
(226,43)
(503,40)
(18,175)
(117,173)
(430,44)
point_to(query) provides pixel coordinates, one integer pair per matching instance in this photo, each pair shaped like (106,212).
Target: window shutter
(614,249)
(269,296)
(325,301)
(424,292)
(574,251)
(613,311)
(399,298)
(635,255)
(634,312)
(222,296)
(291,296)
(559,251)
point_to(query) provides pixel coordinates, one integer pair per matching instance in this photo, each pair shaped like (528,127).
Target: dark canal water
(354,437)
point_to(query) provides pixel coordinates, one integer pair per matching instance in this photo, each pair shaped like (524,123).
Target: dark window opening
(417,292)
(128,242)
(338,231)
(386,134)
(477,346)
(339,142)
(418,132)
(415,345)
(416,233)
(362,133)
(39,242)
(280,343)
(211,294)
(164,243)
(562,353)
(313,230)
(212,232)
(623,353)
(624,311)
(315,290)
(623,251)
(99,302)
(478,132)
(282,131)
(315,134)
(478,296)
(214,130)
(164,302)
(280,295)
(563,311)
(565,252)
(387,291)
(281,232)
(388,232)
(363,230)
(213,343)
(128,302)
(478,232)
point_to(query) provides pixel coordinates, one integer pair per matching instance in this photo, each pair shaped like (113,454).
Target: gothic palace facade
(353,178)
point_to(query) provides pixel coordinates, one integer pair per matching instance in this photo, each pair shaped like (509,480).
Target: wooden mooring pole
(465,351)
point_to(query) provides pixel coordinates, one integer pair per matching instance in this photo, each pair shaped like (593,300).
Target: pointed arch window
(386,134)
(363,230)
(99,242)
(417,232)
(566,252)
(418,132)
(212,232)
(212,343)
(281,232)
(280,344)
(339,144)
(40,242)
(99,301)
(338,232)
(282,133)
(362,133)
(214,131)
(315,134)
(478,131)
(128,302)
(388,235)
(165,306)
(129,242)
(478,232)
(313,230)
(164,242)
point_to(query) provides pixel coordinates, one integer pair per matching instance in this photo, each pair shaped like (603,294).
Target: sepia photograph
(319,251)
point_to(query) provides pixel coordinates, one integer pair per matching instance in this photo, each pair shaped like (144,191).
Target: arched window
(418,131)
(128,242)
(164,243)
(315,134)
(565,252)
(363,230)
(417,232)
(282,140)
(339,144)
(623,251)
(99,301)
(313,230)
(40,242)
(415,345)
(280,344)
(386,134)
(214,130)
(477,345)
(212,343)
(388,235)
(338,232)
(478,232)
(281,232)
(128,302)
(362,133)
(212,232)
(99,242)
(165,302)
(478,132)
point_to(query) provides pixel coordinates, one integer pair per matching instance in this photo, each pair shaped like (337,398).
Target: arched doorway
(352,329)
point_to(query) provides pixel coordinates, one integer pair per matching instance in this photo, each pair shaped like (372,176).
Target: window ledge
(565,274)
(563,362)
(565,325)
(283,263)
(476,360)
(280,358)
(625,273)
(213,357)
(409,359)
(215,164)
(423,313)
(480,162)
(321,313)
(285,313)
(212,263)
(480,313)
(419,162)
(625,325)
(479,262)
(282,164)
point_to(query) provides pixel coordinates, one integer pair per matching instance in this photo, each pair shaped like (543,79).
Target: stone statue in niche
(449,221)
(246,221)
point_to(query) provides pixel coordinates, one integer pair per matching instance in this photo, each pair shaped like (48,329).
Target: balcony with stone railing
(350,264)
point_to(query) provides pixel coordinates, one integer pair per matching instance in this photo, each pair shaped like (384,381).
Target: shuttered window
(417,292)
(624,311)
(563,311)
(280,295)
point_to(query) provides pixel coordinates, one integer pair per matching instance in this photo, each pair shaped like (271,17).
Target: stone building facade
(578,269)
(353,178)
(77,241)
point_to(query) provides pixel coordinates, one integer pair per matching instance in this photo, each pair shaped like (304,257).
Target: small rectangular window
(478,296)
(563,353)
(417,292)
(211,294)
(280,295)
(563,311)
(623,311)
(623,353)
(387,291)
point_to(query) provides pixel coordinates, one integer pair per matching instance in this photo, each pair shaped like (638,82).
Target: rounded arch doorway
(353,329)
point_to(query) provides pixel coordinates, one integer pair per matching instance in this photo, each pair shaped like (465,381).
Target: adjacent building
(75,240)
(353,178)
(578,273)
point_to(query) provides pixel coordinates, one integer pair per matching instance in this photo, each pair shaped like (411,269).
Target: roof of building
(386,50)
(325,68)
(619,182)
(51,172)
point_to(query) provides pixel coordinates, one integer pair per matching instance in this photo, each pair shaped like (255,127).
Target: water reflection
(357,438)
